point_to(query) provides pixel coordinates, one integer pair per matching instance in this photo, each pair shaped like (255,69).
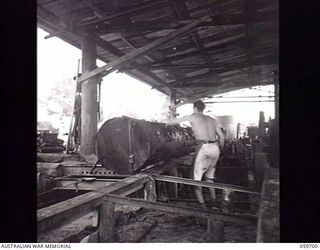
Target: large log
(127,145)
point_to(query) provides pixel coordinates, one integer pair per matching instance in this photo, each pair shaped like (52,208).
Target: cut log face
(126,145)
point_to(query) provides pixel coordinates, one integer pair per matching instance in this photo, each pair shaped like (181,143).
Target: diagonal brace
(116,64)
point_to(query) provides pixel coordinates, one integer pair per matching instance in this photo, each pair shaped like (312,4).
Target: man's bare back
(203,126)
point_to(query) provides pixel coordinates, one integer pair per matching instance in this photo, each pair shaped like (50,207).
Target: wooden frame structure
(104,200)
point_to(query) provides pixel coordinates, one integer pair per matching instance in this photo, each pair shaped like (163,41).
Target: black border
(299,128)
(18,123)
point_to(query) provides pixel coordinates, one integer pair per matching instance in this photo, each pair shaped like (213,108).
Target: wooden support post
(276,96)
(95,217)
(89,104)
(106,222)
(251,180)
(150,190)
(215,231)
(172,107)
(173,187)
(251,185)
(227,205)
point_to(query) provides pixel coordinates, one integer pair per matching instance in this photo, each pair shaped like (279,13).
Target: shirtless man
(205,129)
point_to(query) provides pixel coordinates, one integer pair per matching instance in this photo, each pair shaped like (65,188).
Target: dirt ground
(174,228)
(135,224)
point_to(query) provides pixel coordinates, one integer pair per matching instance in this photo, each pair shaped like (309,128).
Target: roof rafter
(126,11)
(109,47)
(231,20)
(106,69)
(182,12)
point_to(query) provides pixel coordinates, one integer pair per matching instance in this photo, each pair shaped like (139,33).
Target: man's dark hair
(199,105)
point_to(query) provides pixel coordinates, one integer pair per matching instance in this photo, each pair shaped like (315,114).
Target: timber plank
(167,178)
(190,211)
(64,212)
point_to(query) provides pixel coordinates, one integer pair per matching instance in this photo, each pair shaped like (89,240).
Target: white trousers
(206,161)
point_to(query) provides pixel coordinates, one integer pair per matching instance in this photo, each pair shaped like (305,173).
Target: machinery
(127,145)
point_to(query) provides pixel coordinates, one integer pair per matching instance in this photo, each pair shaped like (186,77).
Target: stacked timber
(48,142)
(127,145)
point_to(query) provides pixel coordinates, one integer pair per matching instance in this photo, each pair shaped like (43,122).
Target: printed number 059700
(308,245)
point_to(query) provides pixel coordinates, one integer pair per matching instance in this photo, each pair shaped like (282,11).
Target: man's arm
(220,135)
(176,121)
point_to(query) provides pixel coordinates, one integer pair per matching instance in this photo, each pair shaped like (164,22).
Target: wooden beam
(134,48)
(209,92)
(179,66)
(213,46)
(53,34)
(166,166)
(249,10)
(200,47)
(134,65)
(197,85)
(220,20)
(127,11)
(241,101)
(247,219)
(188,80)
(225,66)
(185,181)
(209,41)
(220,90)
(148,73)
(57,29)
(67,211)
(95,9)
(206,79)
(181,9)
(110,48)
(110,67)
